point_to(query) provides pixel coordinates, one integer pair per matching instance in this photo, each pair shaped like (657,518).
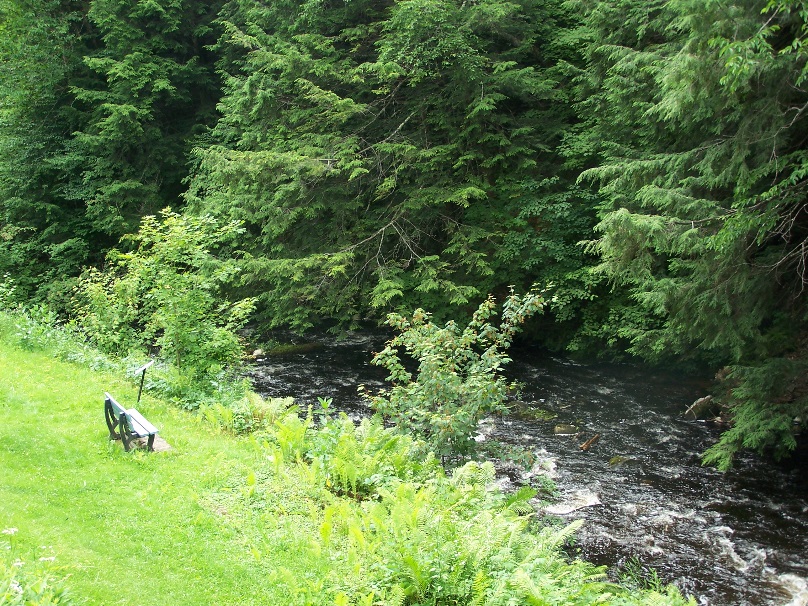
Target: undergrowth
(30,582)
(396,529)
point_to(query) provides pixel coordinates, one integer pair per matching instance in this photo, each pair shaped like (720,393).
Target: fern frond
(532,592)
(396,596)
(560,537)
(479,587)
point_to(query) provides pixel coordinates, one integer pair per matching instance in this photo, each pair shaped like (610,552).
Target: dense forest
(312,163)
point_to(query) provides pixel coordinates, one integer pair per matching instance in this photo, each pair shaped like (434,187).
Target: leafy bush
(38,328)
(168,295)
(7,293)
(458,380)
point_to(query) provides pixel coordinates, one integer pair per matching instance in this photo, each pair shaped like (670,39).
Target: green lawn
(131,528)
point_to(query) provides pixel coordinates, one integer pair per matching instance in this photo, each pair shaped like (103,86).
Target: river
(734,539)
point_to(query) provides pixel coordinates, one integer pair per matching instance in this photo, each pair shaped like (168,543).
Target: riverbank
(296,516)
(732,539)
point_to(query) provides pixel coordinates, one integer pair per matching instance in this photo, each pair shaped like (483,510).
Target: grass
(120,521)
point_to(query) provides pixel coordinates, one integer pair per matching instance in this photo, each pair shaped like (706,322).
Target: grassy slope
(134,529)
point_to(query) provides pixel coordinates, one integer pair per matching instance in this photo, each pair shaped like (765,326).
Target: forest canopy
(641,161)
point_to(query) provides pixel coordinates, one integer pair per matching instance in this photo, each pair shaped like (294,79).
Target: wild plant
(397,533)
(8,299)
(359,460)
(290,435)
(167,295)
(459,378)
(30,583)
(248,414)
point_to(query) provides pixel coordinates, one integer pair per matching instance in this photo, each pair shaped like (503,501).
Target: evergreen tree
(40,46)
(147,93)
(99,106)
(386,155)
(696,115)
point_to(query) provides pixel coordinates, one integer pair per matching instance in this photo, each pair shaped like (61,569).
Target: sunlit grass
(131,528)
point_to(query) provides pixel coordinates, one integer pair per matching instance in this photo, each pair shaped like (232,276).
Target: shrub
(459,378)
(168,295)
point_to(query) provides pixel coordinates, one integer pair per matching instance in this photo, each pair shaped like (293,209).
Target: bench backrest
(116,408)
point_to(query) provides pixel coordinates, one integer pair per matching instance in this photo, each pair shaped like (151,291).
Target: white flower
(10,531)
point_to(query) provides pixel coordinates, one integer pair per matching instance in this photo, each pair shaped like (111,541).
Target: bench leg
(151,443)
(111,422)
(125,437)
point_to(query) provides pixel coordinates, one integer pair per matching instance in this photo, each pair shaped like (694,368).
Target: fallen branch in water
(590,442)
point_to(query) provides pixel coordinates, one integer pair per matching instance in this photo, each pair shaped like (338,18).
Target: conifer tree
(392,154)
(147,92)
(99,108)
(40,51)
(696,115)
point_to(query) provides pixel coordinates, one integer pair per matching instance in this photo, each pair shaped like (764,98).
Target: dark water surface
(735,539)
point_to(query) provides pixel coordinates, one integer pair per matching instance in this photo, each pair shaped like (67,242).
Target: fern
(534,594)
(396,596)
(519,502)
(480,586)
(418,537)
(290,433)
(555,538)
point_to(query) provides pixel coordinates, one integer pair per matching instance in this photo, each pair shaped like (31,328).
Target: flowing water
(733,539)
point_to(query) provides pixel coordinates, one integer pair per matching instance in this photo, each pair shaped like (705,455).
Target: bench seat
(139,425)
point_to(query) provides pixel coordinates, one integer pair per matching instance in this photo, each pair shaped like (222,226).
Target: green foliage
(634,575)
(147,90)
(8,289)
(694,138)
(39,53)
(459,378)
(235,408)
(362,460)
(34,583)
(259,518)
(98,104)
(396,155)
(248,414)
(24,584)
(768,407)
(391,155)
(168,294)
(404,533)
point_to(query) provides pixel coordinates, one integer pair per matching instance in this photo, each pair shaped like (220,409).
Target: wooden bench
(127,424)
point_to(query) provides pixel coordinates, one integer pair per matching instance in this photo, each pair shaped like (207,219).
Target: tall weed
(30,583)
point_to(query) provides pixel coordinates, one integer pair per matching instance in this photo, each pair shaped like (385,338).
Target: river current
(733,539)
